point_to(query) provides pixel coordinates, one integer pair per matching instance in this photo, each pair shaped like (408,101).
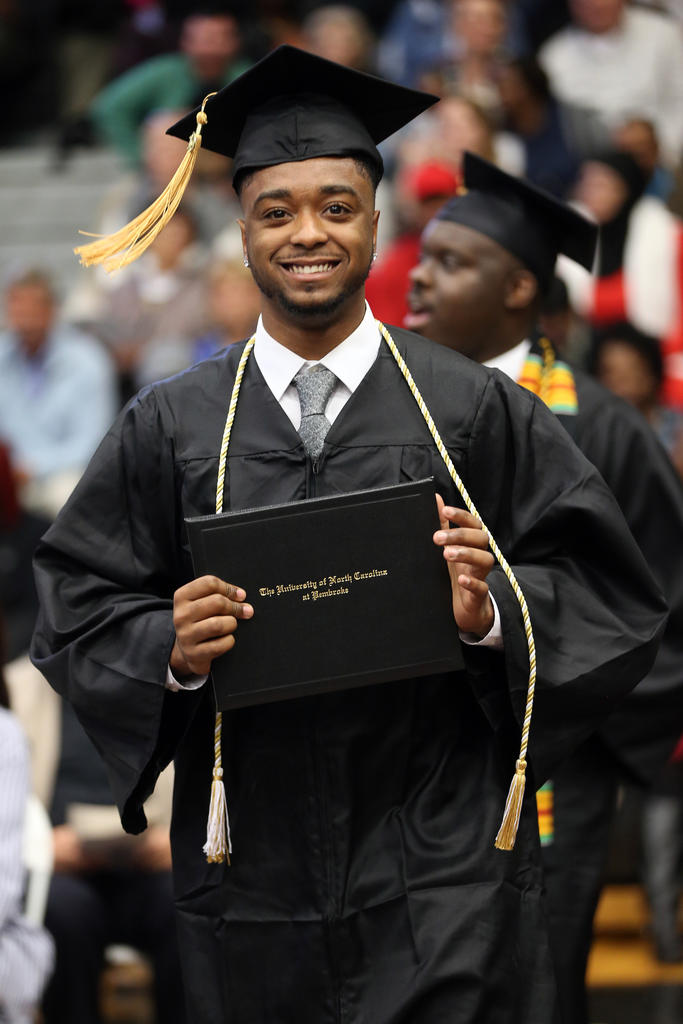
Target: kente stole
(553,381)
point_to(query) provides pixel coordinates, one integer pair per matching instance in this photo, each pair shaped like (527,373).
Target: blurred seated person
(445,132)
(419,192)
(107,886)
(26,949)
(20,531)
(209,192)
(209,56)
(420,35)
(341,33)
(85,35)
(616,60)
(638,137)
(149,315)
(472,70)
(146,31)
(542,128)
(629,363)
(57,394)
(234,305)
(638,274)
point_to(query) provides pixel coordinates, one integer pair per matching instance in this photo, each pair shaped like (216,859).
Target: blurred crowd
(584,98)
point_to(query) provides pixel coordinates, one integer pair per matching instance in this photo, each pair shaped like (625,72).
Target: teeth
(319,268)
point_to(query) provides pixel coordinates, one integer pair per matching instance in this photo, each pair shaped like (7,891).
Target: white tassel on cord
(218,845)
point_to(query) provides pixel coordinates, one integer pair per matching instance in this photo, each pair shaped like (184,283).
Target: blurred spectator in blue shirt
(57,394)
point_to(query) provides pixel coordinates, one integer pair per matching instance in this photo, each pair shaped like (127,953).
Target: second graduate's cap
(527,221)
(293,106)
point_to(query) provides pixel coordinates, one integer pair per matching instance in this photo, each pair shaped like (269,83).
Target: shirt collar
(511,362)
(349,361)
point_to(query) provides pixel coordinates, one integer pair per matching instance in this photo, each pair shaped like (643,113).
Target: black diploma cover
(347,591)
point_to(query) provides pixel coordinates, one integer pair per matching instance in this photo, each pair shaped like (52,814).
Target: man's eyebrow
(275,193)
(325,190)
(328,190)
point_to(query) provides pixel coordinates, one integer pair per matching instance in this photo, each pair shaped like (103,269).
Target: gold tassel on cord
(125,245)
(507,833)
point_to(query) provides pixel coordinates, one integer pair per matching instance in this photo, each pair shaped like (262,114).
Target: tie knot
(315,385)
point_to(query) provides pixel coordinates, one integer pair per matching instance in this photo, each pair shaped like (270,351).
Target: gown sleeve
(597,613)
(105,629)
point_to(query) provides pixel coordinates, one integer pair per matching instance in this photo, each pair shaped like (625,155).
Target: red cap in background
(430,180)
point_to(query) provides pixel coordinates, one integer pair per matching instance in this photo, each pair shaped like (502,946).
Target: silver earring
(374,256)
(246,261)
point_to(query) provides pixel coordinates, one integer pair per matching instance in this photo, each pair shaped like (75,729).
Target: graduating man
(364,885)
(486,260)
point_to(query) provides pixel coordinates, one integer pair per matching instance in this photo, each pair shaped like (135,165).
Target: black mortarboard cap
(527,221)
(293,105)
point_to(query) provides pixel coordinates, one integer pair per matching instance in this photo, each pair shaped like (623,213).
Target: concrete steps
(43,206)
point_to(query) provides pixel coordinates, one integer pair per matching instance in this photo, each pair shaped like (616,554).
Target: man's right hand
(205,615)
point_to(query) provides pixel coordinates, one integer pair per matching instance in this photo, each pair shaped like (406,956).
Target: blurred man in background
(208,57)
(57,394)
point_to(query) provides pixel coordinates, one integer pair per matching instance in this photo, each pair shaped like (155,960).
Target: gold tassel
(218,845)
(125,245)
(507,833)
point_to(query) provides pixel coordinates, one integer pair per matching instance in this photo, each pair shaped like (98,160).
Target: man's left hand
(469,561)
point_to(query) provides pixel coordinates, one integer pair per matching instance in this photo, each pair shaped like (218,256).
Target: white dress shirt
(511,362)
(349,361)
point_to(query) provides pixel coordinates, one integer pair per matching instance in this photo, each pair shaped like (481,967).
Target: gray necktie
(315,386)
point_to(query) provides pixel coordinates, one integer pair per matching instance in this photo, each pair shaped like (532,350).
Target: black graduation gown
(643,730)
(638,737)
(365,887)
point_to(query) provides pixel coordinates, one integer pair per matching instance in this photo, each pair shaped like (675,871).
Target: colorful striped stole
(545,807)
(553,381)
(548,377)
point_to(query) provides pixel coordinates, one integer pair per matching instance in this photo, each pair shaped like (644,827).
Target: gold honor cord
(218,844)
(507,833)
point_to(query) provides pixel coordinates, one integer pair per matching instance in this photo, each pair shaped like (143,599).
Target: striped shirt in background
(26,952)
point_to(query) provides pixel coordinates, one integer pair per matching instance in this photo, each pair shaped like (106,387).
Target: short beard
(322,311)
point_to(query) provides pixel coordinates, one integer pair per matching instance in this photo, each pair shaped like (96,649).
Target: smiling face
(309,231)
(465,289)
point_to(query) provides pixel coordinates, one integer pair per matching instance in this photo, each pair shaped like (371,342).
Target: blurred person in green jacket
(209,56)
